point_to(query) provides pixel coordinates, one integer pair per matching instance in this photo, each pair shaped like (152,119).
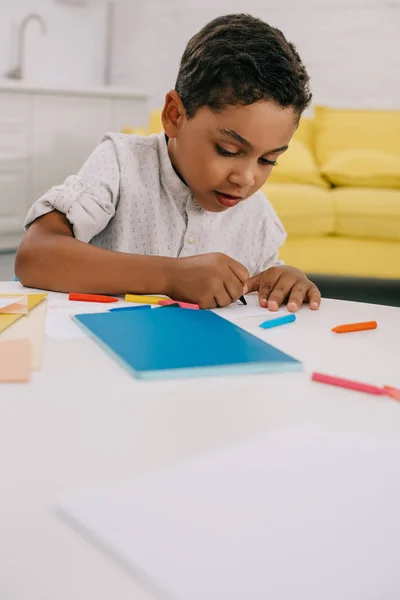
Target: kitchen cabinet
(46,134)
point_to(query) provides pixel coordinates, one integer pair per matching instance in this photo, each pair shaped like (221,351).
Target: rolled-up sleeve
(88,199)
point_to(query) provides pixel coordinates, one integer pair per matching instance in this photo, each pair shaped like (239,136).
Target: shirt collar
(176,185)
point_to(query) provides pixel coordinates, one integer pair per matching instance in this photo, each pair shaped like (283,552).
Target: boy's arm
(50,257)
(54,254)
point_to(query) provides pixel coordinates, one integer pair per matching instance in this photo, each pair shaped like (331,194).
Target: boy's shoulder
(134,152)
(132,141)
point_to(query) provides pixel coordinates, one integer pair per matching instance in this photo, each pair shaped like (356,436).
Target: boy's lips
(227,200)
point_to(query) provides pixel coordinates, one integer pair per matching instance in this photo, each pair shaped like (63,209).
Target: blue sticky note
(166,344)
(278,321)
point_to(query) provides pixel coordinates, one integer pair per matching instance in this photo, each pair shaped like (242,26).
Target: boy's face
(226,157)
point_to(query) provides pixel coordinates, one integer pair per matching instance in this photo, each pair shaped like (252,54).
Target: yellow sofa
(337,192)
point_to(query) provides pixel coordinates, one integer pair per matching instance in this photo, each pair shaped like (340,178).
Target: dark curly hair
(238,59)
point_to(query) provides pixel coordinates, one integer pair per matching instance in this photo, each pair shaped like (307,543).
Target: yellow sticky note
(8,319)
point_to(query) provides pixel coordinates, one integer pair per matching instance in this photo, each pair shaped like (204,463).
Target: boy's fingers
(207,302)
(253,283)
(234,287)
(297,296)
(239,270)
(314,297)
(222,297)
(274,288)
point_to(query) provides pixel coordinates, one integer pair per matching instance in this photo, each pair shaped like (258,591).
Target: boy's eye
(266,161)
(224,152)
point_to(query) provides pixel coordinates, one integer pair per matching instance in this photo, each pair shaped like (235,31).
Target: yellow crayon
(143,299)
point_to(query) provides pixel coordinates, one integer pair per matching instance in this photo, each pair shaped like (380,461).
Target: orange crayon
(355,327)
(392,392)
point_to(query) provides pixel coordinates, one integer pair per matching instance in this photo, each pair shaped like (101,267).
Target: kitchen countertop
(11,85)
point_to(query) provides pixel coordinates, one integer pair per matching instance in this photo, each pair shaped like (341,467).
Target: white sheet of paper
(59,324)
(237,310)
(300,514)
(61,327)
(76,308)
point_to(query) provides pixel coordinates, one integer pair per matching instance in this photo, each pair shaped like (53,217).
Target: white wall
(72,52)
(351,47)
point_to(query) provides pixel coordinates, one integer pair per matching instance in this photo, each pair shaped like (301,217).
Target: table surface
(83,421)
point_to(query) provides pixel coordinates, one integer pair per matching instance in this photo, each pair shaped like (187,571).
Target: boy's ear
(173,114)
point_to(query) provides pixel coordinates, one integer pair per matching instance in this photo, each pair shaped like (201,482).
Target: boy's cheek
(202,175)
(215,174)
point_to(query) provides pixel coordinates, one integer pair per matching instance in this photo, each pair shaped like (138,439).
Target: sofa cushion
(363,168)
(336,255)
(337,130)
(297,165)
(303,209)
(367,213)
(155,122)
(305,132)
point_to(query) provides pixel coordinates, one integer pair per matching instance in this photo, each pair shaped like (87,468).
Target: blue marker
(130,307)
(278,321)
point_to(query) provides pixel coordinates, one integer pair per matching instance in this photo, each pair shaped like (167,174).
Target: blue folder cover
(168,343)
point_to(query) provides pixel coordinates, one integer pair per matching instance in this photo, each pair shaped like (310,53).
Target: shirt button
(191,239)
(77,186)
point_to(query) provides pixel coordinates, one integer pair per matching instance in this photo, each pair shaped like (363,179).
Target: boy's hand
(278,284)
(209,280)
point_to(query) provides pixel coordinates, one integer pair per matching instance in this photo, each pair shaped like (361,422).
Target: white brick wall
(351,47)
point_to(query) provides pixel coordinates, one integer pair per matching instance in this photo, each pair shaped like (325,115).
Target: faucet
(17,72)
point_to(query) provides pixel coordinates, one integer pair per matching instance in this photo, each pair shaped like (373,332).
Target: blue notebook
(168,343)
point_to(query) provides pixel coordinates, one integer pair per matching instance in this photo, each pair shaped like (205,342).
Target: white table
(84,421)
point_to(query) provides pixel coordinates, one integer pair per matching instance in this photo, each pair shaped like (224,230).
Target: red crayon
(92,298)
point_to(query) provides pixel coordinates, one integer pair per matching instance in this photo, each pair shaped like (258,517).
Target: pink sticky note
(167,302)
(13,305)
(15,361)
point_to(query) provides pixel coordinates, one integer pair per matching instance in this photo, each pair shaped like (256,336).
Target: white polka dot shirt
(127,197)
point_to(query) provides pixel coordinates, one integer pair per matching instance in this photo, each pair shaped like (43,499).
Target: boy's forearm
(63,264)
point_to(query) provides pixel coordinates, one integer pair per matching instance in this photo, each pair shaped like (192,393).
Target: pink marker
(349,384)
(167,302)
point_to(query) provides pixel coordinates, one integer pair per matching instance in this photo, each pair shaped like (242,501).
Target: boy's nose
(245,178)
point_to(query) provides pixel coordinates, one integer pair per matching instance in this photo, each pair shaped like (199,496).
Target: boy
(181,213)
